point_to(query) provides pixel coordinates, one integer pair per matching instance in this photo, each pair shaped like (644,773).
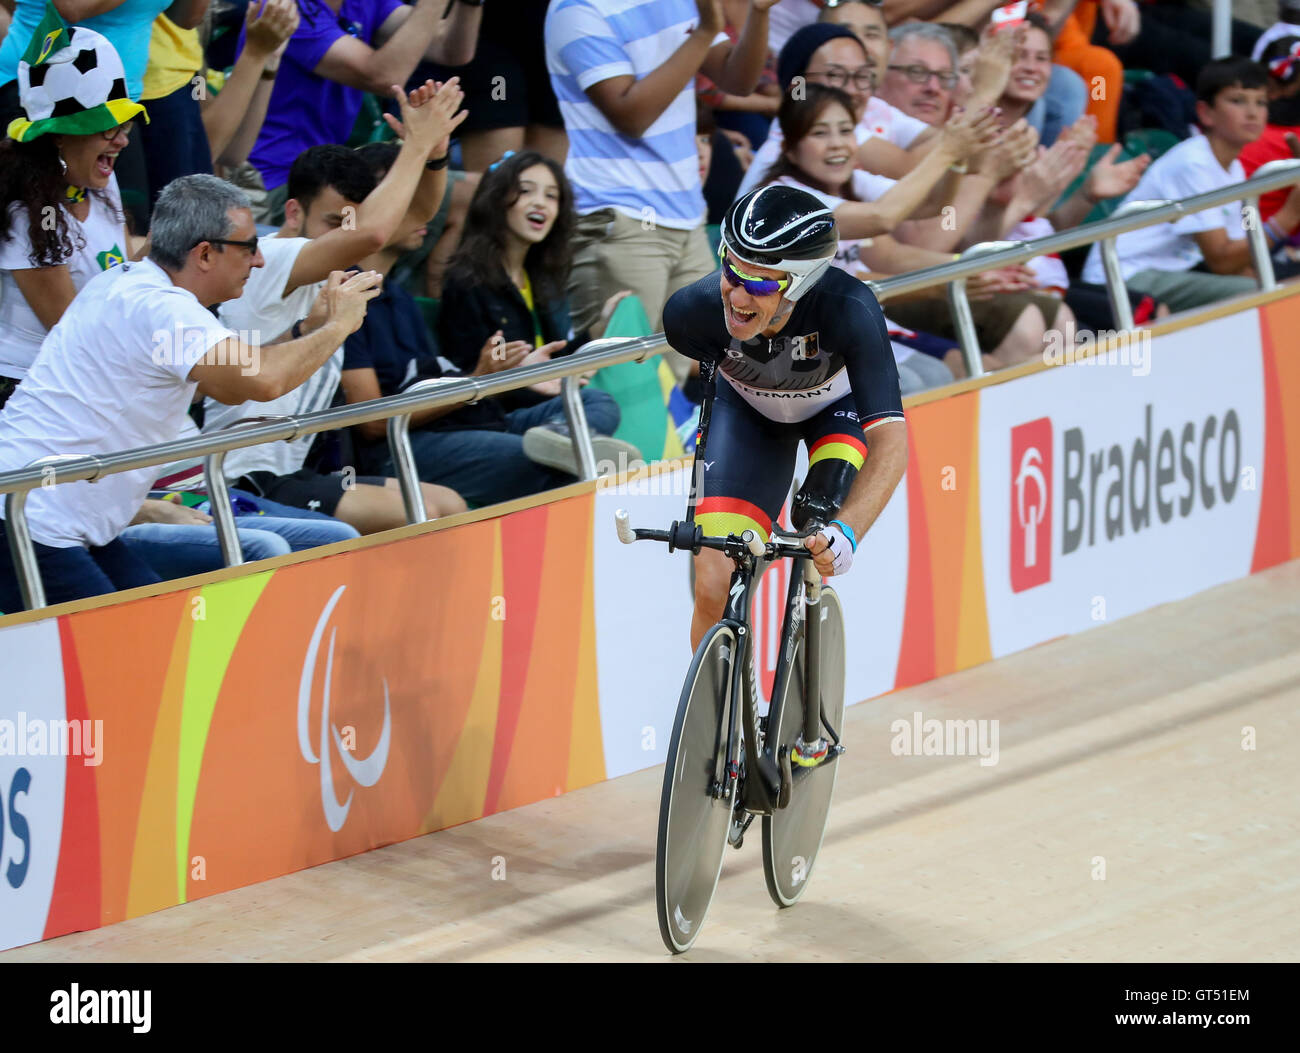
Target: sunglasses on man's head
(753,286)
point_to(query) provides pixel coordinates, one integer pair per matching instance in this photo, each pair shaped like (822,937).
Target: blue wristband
(848,533)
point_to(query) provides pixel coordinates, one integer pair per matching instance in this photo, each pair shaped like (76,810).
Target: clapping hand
(997,53)
(550,388)
(1044,181)
(1108,179)
(969,132)
(1015,149)
(269,26)
(987,284)
(429,114)
(496,355)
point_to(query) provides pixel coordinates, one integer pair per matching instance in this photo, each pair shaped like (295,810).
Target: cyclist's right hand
(832,552)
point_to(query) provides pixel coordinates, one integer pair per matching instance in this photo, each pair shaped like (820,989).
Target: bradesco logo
(1031,504)
(1109,491)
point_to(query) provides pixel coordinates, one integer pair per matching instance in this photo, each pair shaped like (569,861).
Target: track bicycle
(726,763)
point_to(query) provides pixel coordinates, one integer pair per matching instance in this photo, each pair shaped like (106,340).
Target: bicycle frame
(770,789)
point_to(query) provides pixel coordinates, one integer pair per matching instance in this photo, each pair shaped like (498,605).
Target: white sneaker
(552,445)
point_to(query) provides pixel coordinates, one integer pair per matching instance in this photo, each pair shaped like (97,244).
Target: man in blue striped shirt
(624,73)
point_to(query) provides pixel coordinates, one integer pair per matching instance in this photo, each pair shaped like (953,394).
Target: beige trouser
(613,252)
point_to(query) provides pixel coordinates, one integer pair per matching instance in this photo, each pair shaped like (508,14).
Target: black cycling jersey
(834,342)
(826,379)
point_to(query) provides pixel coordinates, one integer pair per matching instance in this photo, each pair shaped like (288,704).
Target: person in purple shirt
(341,50)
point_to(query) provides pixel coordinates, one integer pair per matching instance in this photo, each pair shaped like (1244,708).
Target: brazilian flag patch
(110,258)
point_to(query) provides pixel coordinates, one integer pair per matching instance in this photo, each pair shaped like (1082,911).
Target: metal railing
(1131,216)
(448,393)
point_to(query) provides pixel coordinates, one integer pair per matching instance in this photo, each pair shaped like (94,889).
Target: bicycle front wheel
(693,822)
(792,836)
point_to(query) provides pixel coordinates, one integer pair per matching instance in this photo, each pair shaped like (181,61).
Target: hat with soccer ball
(70,82)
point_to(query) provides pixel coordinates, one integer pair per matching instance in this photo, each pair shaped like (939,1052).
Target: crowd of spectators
(215,210)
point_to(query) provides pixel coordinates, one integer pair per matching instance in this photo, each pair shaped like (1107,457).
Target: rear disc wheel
(792,836)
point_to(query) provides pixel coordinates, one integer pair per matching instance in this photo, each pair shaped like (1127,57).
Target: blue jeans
(1059,106)
(486,467)
(177,551)
(74,573)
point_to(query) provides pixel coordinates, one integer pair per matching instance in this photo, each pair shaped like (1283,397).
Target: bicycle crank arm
(832,755)
(792,776)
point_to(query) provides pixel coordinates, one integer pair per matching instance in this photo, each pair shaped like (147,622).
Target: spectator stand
(611,351)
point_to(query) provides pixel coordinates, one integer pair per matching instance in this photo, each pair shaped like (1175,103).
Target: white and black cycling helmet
(784,228)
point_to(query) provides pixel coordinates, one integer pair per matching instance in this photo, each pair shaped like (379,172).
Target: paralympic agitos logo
(1108,491)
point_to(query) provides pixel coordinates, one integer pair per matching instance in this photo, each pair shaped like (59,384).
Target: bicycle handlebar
(691,537)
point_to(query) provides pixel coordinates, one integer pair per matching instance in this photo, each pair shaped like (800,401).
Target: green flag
(50,35)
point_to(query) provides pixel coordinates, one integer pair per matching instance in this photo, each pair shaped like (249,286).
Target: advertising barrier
(161,749)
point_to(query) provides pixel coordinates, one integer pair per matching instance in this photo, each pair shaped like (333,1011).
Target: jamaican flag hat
(70,82)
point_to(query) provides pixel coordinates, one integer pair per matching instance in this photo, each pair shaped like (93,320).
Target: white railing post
(1121,308)
(30,584)
(962,319)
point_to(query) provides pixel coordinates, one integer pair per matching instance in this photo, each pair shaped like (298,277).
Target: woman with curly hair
(511,269)
(61,220)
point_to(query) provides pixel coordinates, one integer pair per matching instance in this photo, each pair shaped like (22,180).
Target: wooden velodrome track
(1123,820)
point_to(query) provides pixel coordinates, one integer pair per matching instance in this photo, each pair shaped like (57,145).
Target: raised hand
(1108,179)
(1123,21)
(1016,148)
(1083,131)
(712,18)
(429,114)
(347,296)
(269,26)
(446,99)
(1044,181)
(997,53)
(968,133)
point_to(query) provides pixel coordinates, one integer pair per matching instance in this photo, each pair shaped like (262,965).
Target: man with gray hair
(922,71)
(122,367)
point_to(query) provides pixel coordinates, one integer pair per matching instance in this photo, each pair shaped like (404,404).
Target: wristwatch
(438,163)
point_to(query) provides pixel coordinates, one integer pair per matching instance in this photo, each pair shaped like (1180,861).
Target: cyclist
(803,353)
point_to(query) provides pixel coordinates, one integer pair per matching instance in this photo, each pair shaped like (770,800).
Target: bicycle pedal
(736,837)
